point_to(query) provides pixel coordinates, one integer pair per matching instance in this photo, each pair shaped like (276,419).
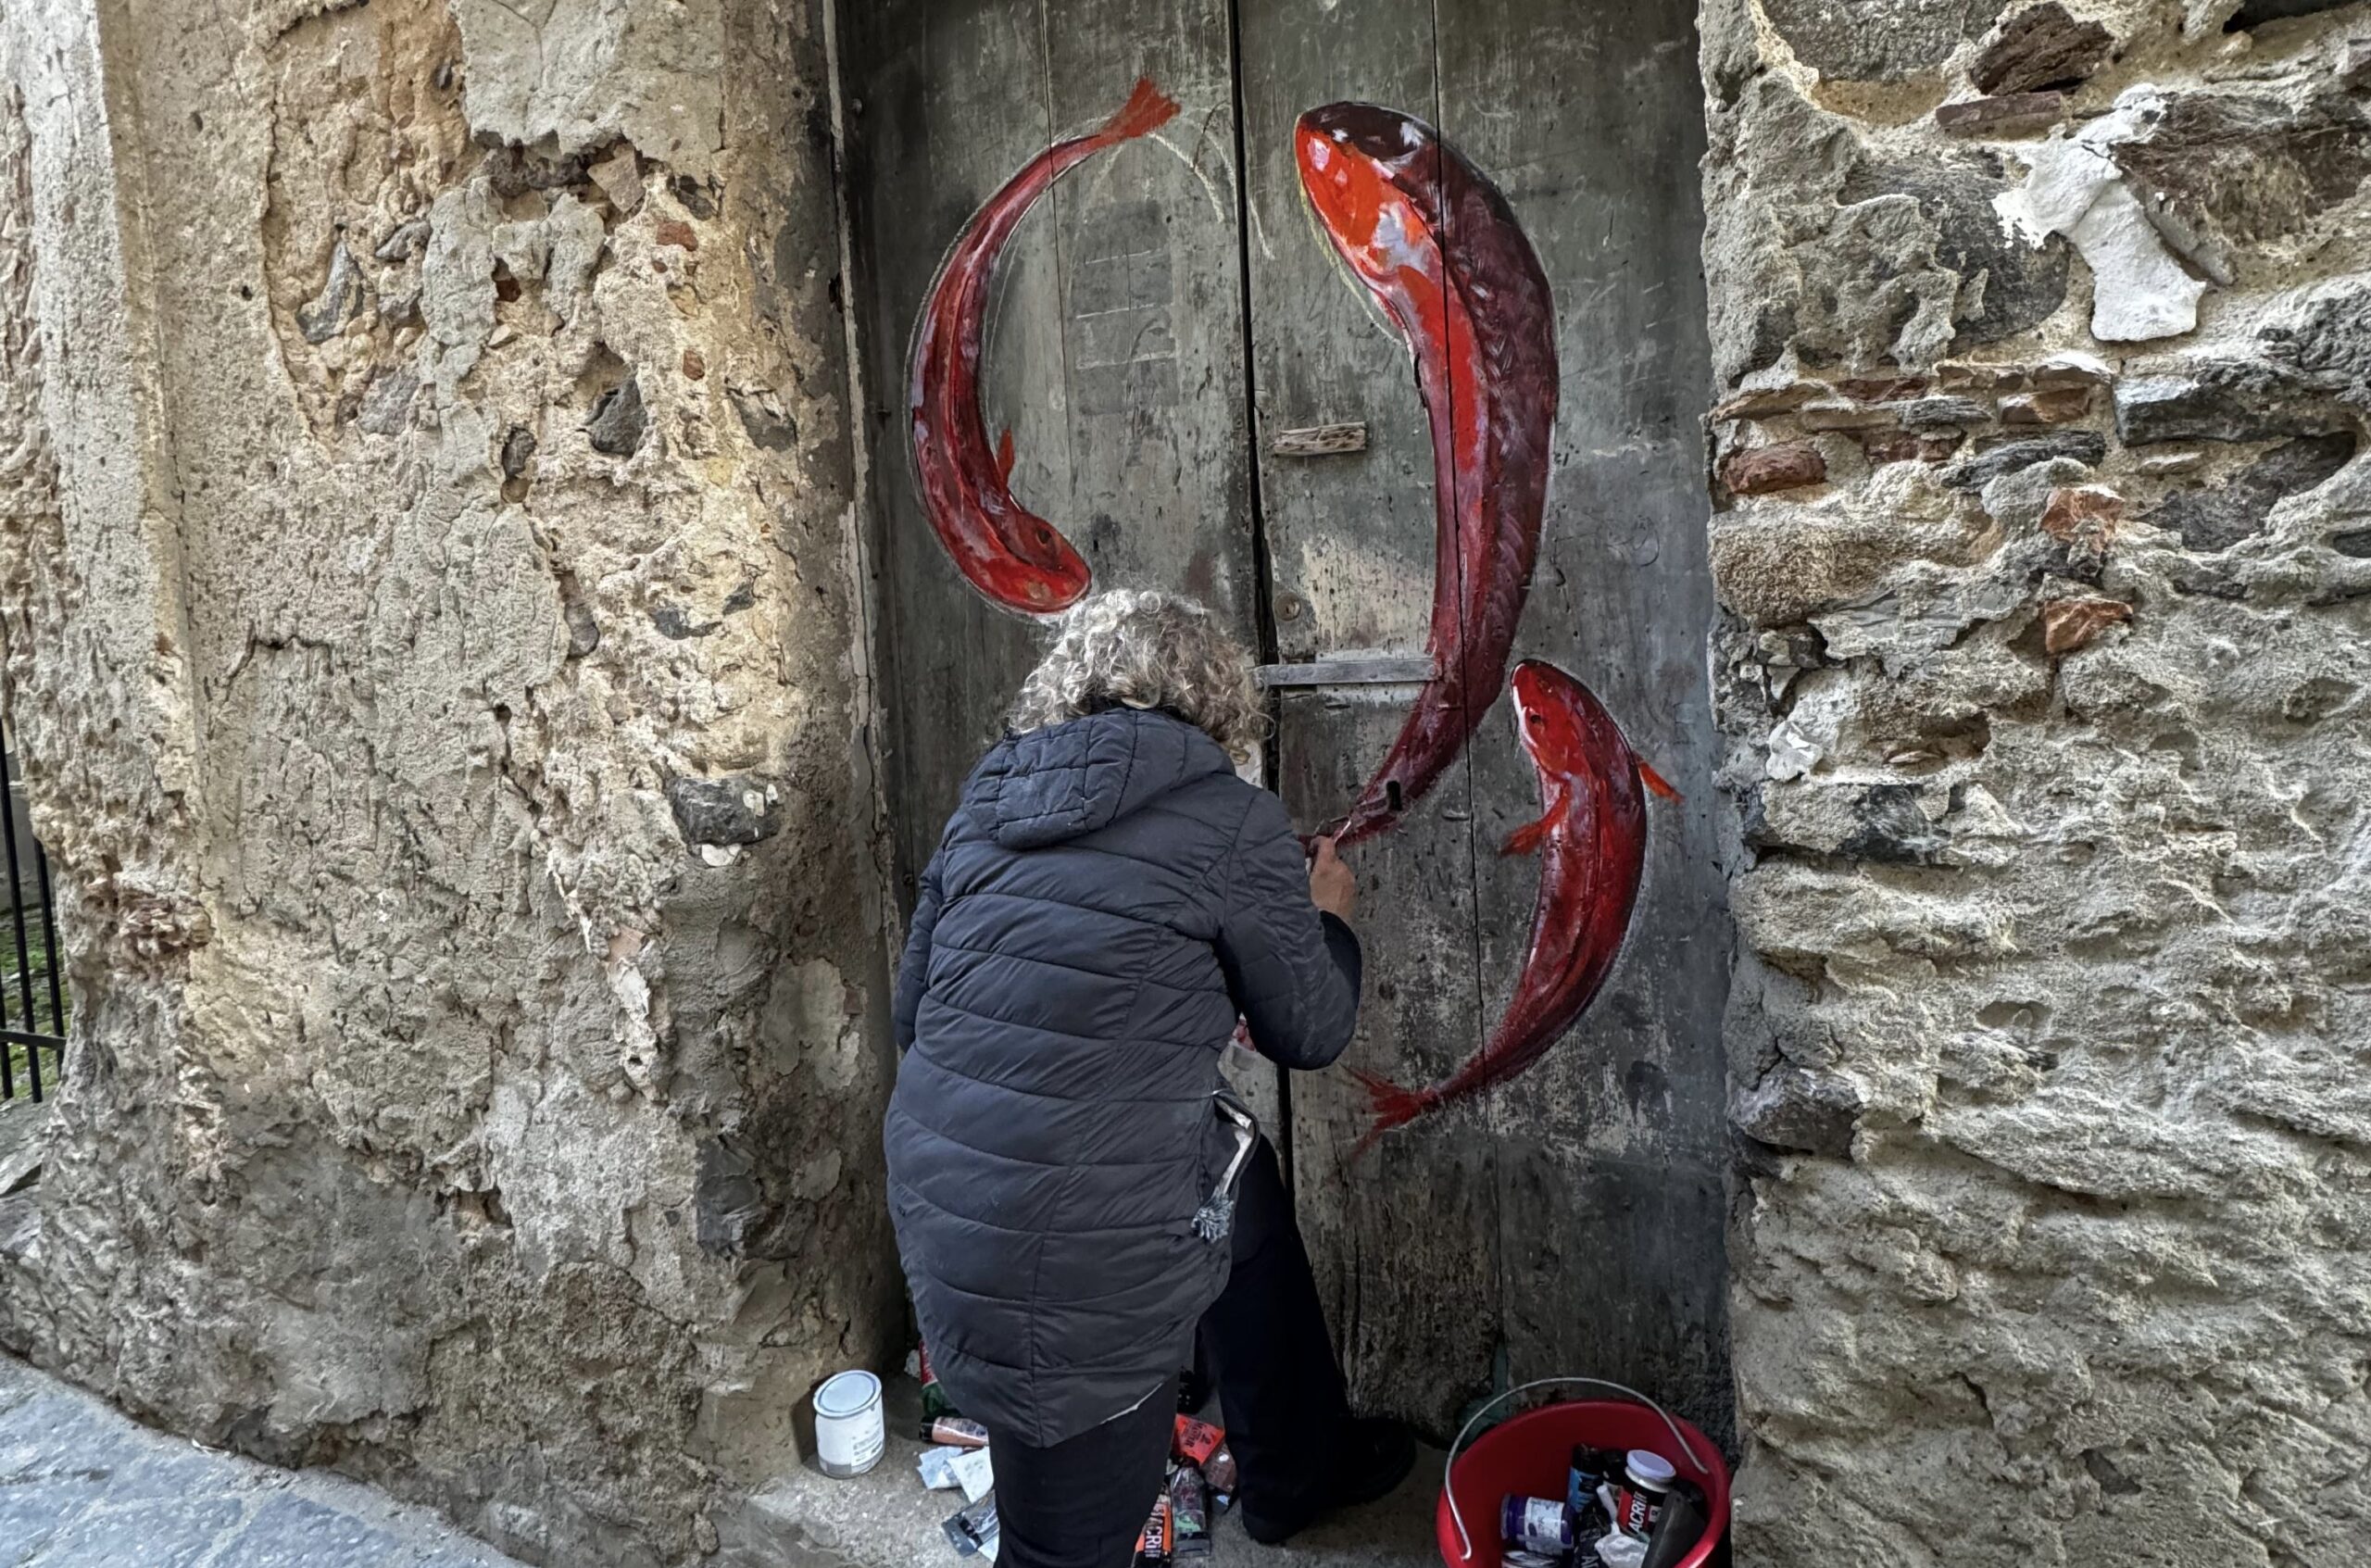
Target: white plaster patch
(2138,290)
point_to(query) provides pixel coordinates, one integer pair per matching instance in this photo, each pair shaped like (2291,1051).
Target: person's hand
(1330,886)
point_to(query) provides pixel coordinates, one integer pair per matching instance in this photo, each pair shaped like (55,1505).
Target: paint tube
(973,1530)
(1152,1543)
(956,1431)
(1189,1514)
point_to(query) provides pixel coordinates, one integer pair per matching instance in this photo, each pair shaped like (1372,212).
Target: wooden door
(1571,1220)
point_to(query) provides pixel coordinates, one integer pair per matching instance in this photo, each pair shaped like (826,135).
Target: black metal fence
(33,997)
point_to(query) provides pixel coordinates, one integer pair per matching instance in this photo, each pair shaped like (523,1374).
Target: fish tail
(1148,108)
(1527,838)
(1391,1105)
(1658,783)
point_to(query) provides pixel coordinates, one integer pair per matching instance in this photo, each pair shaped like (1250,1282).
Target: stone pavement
(84,1487)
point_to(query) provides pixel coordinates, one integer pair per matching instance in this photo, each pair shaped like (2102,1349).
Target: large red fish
(1439,248)
(1593,828)
(1001,548)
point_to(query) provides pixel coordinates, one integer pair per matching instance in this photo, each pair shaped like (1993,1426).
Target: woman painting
(1075,1197)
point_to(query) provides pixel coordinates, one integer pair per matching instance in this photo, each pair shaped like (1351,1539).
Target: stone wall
(434,644)
(2045,555)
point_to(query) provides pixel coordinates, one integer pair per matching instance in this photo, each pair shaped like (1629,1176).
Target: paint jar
(1535,1524)
(849,1436)
(1646,1477)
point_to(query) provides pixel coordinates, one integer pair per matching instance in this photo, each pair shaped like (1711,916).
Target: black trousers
(1080,1503)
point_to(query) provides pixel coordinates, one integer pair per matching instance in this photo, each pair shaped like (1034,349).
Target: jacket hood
(1084,774)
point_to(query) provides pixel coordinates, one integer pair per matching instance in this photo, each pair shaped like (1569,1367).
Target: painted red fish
(1593,829)
(1001,548)
(1429,236)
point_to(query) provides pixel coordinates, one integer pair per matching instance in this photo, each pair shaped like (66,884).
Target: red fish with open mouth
(1593,828)
(1001,548)
(1429,236)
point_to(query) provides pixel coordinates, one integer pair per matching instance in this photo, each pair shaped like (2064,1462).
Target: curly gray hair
(1137,648)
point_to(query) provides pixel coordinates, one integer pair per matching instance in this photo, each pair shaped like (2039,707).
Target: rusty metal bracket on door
(1362,672)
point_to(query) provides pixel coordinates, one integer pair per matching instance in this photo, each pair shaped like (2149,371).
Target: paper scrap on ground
(972,1473)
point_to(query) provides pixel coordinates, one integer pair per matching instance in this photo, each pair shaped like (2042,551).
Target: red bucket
(1530,1455)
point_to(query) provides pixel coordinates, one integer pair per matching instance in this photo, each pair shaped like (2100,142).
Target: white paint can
(849,1436)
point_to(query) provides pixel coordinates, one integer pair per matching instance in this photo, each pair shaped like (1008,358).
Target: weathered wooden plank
(1159,427)
(1159,424)
(1611,1168)
(949,101)
(1406,1240)
(1113,351)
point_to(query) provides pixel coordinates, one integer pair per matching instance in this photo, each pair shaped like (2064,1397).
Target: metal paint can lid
(847,1394)
(1651,1470)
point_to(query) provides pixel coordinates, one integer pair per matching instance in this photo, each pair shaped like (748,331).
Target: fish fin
(1004,456)
(1658,783)
(1148,108)
(1392,1106)
(1527,838)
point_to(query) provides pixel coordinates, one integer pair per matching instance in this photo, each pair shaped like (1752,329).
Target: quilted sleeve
(913,968)
(1293,969)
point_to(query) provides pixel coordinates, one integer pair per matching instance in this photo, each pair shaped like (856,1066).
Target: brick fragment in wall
(2072,623)
(1760,470)
(2054,407)
(1906,445)
(2082,517)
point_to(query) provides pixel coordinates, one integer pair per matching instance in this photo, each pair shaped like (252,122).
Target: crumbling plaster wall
(435,643)
(2044,549)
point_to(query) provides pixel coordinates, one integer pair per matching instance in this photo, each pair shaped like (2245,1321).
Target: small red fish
(1001,548)
(1593,827)
(1433,240)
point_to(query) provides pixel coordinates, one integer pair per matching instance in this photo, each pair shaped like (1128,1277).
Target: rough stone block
(2085,447)
(2041,46)
(2011,114)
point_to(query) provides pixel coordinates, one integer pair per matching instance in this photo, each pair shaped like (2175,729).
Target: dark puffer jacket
(1106,899)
